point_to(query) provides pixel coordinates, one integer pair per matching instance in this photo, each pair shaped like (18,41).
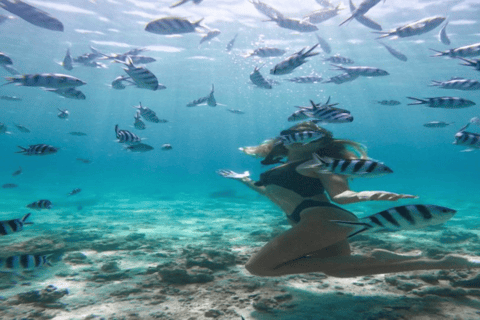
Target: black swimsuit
(286,176)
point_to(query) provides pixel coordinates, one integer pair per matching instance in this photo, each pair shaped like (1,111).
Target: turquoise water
(120,186)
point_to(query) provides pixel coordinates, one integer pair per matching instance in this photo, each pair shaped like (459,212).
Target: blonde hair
(330,147)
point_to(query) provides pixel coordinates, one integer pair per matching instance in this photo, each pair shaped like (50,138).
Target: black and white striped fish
(328,114)
(125,136)
(258,80)
(367,22)
(38,150)
(293,62)
(70,93)
(24,262)
(46,80)
(467,139)
(413,29)
(471,63)
(407,217)
(397,54)
(339,60)
(141,76)
(342,78)
(323,44)
(306,79)
(267,52)
(363,71)
(353,168)
(15,225)
(472,50)
(31,14)
(22,128)
(18,172)
(303,137)
(458,84)
(443,102)
(231,43)
(322,15)
(361,9)
(210,35)
(67,63)
(437,124)
(5,60)
(74,191)
(266,9)
(138,124)
(388,102)
(40,204)
(172,25)
(443,35)
(63,114)
(294,24)
(197,102)
(147,113)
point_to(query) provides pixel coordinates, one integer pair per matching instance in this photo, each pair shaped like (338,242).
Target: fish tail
(384,34)
(25,217)
(347,20)
(417,101)
(21,151)
(359,226)
(197,24)
(309,53)
(435,83)
(10,81)
(337,67)
(438,53)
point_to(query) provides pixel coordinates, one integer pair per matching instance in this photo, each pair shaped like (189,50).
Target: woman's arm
(243,178)
(339,191)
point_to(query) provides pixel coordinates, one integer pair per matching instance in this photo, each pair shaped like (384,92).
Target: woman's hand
(233,175)
(352,196)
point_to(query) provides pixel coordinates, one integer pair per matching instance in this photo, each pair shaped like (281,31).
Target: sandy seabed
(184,260)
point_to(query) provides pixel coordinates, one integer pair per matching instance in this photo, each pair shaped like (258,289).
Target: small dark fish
(231,43)
(167,146)
(139,124)
(180,2)
(9,186)
(306,79)
(139,147)
(125,136)
(31,14)
(24,262)
(67,61)
(443,102)
(339,59)
(38,150)
(18,172)
(40,204)
(11,226)
(437,124)
(69,93)
(63,114)
(236,111)
(258,80)
(172,25)
(22,128)
(147,113)
(74,191)
(267,52)
(323,44)
(77,133)
(210,35)
(80,207)
(84,160)
(10,98)
(388,102)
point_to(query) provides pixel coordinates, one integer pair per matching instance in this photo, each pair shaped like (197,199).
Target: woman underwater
(315,243)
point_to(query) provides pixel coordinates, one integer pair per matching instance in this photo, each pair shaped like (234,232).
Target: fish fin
(438,53)
(347,20)
(25,217)
(309,52)
(23,149)
(418,101)
(197,24)
(363,226)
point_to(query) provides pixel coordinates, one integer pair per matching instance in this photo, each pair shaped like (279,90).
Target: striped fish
(467,139)
(361,9)
(353,168)
(443,35)
(323,44)
(443,102)
(125,136)
(458,84)
(397,54)
(367,22)
(24,262)
(266,9)
(18,172)
(136,59)
(210,35)
(67,63)
(294,24)
(74,191)
(31,14)
(172,25)
(22,128)
(339,60)
(363,71)
(138,124)
(322,15)
(69,93)
(16,225)
(40,204)
(46,80)
(306,79)
(328,114)
(141,76)
(471,63)
(231,43)
(472,50)
(63,114)
(5,60)
(197,102)
(437,124)
(342,78)
(267,52)
(294,61)
(413,29)
(388,102)
(147,113)
(258,80)
(303,137)
(407,217)
(38,150)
